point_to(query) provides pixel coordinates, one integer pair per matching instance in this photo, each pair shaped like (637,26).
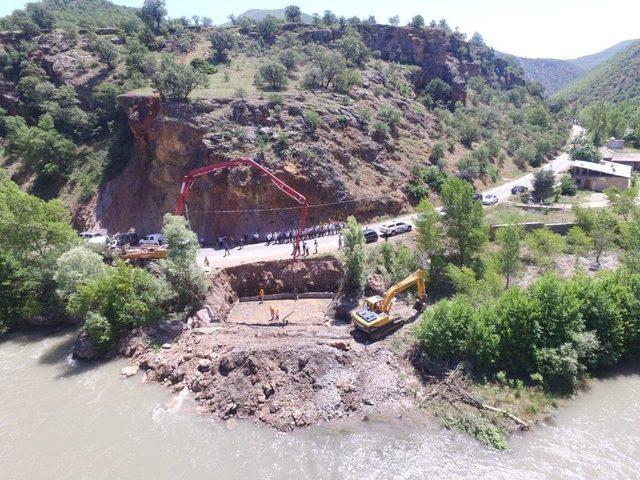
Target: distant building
(614,144)
(625,158)
(598,176)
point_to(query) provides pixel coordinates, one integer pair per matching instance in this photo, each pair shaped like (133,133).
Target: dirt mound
(284,377)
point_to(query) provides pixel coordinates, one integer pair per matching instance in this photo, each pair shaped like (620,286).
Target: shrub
(582,149)
(203,66)
(222,42)
(543,182)
(437,151)
(290,58)
(568,186)
(390,115)
(379,131)
(267,27)
(176,81)
(326,66)
(468,168)
(354,255)
(76,267)
(434,177)
(100,331)
(353,49)
(273,75)
(544,245)
(312,119)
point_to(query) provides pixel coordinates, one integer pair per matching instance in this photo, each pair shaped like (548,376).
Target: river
(63,420)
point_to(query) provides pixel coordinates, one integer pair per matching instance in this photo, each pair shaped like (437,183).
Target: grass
(504,213)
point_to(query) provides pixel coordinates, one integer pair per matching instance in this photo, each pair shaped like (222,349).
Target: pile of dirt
(281,376)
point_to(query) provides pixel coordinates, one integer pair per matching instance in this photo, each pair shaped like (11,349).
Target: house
(631,159)
(598,176)
(615,144)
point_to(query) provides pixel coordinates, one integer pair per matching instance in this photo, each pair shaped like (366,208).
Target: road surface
(260,251)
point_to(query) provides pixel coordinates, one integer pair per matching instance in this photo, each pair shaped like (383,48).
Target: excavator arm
(416,278)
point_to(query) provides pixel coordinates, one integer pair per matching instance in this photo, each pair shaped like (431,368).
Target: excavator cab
(374,314)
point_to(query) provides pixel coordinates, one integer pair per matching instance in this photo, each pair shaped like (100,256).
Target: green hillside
(589,62)
(615,80)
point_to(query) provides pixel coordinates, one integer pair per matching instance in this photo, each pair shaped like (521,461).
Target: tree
(107,52)
(186,279)
(76,267)
(394,21)
(273,74)
(353,49)
(41,15)
(175,81)
(390,115)
(153,13)
(329,18)
(417,21)
(267,27)
(354,255)
(430,238)
(312,119)
(289,58)
(222,42)
(477,39)
(543,181)
(544,245)
(582,149)
(630,240)
(463,219)
(509,239)
(326,65)
(604,233)
(623,201)
(207,21)
(293,14)
(438,90)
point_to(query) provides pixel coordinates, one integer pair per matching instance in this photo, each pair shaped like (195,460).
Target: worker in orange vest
(261,295)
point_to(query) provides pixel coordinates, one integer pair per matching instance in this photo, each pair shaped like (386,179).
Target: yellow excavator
(374,315)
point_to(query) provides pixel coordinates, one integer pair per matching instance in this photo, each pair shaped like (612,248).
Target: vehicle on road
(374,316)
(120,239)
(370,235)
(394,228)
(489,199)
(477,196)
(153,239)
(94,238)
(517,189)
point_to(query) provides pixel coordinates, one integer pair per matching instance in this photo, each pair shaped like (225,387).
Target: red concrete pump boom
(189,178)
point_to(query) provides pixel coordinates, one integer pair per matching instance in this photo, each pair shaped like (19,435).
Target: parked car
(489,199)
(394,228)
(121,239)
(94,238)
(370,235)
(153,239)
(517,189)
(477,196)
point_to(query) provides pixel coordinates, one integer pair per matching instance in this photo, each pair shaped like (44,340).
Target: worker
(315,245)
(261,295)
(275,313)
(226,247)
(241,243)
(206,262)
(304,248)
(340,242)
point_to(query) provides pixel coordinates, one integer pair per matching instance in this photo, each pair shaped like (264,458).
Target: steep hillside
(555,74)
(366,120)
(551,73)
(589,62)
(615,80)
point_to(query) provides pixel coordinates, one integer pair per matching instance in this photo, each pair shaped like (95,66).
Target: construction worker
(275,313)
(315,245)
(261,295)
(206,262)
(340,242)
(226,248)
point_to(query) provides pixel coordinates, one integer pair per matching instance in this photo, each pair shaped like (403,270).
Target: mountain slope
(553,74)
(615,80)
(589,62)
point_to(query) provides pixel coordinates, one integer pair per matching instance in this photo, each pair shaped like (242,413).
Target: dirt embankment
(310,370)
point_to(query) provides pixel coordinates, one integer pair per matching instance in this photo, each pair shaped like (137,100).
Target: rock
(341,345)
(204,365)
(166,346)
(84,347)
(129,371)
(375,285)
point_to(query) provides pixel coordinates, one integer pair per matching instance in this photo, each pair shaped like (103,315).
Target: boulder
(84,347)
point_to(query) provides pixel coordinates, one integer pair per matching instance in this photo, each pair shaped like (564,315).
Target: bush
(312,119)
(353,49)
(544,245)
(273,75)
(379,131)
(126,296)
(76,267)
(100,331)
(176,81)
(203,66)
(222,42)
(390,115)
(568,186)
(354,255)
(290,58)
(267,28)
(582,149)
(543,182)
(437,151)
(326,66)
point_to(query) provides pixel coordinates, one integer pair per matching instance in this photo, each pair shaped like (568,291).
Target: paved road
(257,252)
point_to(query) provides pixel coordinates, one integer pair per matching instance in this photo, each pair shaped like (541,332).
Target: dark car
(370,235)
(130,238)
(517,189)
(477,196)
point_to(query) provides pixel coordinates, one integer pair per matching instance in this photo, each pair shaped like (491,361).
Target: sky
(528,28)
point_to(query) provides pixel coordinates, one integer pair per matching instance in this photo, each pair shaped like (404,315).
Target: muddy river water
(63,420)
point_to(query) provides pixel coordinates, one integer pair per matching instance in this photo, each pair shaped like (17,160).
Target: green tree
(417,21)
(544,245)
(41,15)
(106,51)
(75,267)
(312,119)
(543,181)
(582,149)
(273,75)
(438,90)
(509,239)
(623,201)
(326,66)
(329,18)
(354,255)
(353,49)
(222,42)
(293,14)
(186,279)
(463,219)
(176,81)
(394,21)
(390,115)
(630,240)
(153,12)
(290,58)
(267,28)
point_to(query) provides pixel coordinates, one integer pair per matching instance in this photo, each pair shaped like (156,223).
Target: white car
(94,238)
(394,228)
(489,199)
(153,239)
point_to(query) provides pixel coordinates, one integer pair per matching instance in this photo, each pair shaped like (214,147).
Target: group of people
(281,237)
